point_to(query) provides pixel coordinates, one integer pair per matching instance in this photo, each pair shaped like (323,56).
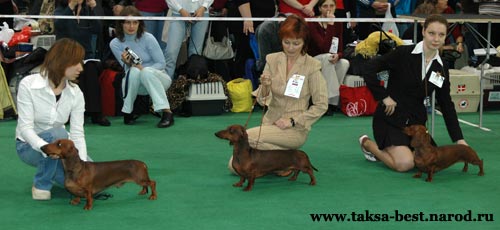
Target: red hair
(295,26)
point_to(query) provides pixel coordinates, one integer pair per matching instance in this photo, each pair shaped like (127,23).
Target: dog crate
(358,81)
(491,80)
(464,90)
(45,41)
(206,99)
(354,81)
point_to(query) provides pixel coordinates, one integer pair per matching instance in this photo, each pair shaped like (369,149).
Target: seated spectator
(82,31)
(326,46)
(143,77)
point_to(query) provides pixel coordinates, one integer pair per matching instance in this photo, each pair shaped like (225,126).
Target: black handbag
(195,68)
(386,45)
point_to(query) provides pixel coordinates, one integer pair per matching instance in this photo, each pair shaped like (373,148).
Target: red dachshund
(85,179)
(251,163)
(431,159)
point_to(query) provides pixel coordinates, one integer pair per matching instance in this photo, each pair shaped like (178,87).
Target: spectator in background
(372,9)
(177,30)
(304,8)
(242,30)
(82,30)
(154,8)
(328,51)
(8,7)
(347,9)
(146,77)
(268,41)
(219,28)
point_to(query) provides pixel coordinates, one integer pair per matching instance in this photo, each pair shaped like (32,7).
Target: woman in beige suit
(290,80)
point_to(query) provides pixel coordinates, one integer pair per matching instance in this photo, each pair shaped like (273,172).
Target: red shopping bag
(357,101)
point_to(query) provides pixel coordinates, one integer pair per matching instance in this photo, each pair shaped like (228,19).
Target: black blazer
(406,87)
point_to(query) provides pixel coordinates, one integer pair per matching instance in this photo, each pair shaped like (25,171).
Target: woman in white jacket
(46,102)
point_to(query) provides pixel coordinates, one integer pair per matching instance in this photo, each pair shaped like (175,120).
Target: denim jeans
(148,81)
(49,170)
(177,33)
(155,27)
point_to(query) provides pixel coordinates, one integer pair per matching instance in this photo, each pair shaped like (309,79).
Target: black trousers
(89,84)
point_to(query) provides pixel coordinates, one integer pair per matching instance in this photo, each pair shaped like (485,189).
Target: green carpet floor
(195,188)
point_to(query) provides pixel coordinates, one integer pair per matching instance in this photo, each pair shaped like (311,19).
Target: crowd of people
(307,57)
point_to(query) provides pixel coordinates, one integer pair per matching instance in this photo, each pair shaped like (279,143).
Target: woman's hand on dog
(462,142)
(390,105)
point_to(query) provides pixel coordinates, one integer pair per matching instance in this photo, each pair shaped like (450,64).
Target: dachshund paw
(75,201)
(237,184)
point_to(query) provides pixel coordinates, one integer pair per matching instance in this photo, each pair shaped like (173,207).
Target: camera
(136,60)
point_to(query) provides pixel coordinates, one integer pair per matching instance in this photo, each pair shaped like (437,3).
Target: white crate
(354,81)
(45,41)
(206,99)
(491,80)
(206,91)
(463,83)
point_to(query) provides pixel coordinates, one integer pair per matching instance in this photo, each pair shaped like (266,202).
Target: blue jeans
(176,34)
(148,81)
(155,27)
(48,170)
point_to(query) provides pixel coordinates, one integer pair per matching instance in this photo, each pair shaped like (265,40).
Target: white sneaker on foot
(39,194)
(368,155)
(230,166)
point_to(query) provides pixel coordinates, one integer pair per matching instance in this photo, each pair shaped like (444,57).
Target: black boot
(329,111)
(98,118)
(129,118)
(167,120)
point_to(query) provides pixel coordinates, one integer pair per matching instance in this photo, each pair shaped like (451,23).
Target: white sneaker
(230,166)
(368,155)
(39,194)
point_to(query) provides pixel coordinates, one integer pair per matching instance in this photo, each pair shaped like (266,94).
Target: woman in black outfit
(415,72)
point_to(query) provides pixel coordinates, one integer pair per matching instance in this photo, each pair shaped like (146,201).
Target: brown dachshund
(251,163)
(85,179)
(431,159)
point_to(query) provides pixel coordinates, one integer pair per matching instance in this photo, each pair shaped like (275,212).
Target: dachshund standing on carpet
(84,179)
(251,163)
(431,159)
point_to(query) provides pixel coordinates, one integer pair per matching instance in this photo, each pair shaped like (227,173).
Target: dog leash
(261,119)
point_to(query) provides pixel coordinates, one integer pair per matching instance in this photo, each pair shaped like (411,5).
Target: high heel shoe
(129,118)
(167,120)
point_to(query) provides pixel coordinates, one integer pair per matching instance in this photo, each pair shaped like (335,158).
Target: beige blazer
(281,106)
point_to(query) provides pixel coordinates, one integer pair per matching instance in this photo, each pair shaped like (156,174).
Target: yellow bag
(240,92)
